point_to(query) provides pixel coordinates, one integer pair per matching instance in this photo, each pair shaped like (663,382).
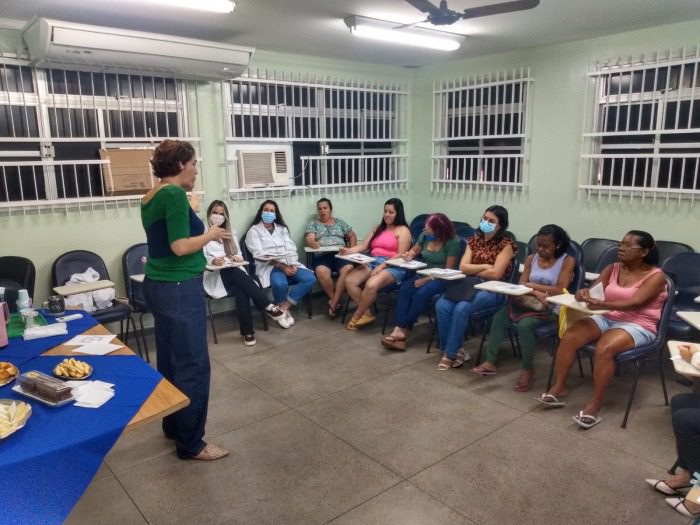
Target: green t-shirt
(166,218)
(437,259)
(329,234)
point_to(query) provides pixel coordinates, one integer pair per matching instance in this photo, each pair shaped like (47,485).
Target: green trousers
(526,335)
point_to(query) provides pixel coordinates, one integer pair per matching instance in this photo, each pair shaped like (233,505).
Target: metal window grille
(642,134)
(54,122)
(480,131)
(344,134)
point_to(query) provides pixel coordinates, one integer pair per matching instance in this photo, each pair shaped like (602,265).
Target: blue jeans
(453,318)
(300,284)
(179,313)
(412,301)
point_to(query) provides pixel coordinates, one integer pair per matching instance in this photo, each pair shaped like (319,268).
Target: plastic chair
(417,224)
(16,273)
(684,270)
(133,262)
(644,353)
(464,230)
(670,248)
(77,261)
(593,249)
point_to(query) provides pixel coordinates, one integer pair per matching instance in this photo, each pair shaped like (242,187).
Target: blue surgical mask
(268,217)
(429,237)
(486,226)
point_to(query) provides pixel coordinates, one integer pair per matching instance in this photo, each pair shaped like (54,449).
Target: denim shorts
(641,336)
(397,273)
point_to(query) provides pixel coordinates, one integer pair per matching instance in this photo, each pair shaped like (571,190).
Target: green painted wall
(559,73)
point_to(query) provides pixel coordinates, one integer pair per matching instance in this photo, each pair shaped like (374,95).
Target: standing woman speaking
(175,294)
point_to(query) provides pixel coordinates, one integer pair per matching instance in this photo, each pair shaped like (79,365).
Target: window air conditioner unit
(258,168)
(65,45)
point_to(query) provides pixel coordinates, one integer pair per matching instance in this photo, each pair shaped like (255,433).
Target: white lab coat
(261,242)
(212,278)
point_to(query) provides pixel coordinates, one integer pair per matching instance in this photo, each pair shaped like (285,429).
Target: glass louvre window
(53,124)
(336,134)
(643,131)
(480,130)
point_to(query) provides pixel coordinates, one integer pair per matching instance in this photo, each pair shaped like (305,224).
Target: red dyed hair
(442,227)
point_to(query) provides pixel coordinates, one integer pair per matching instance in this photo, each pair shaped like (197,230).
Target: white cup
(23,300)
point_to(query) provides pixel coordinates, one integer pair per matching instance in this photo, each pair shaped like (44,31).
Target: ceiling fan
(444,16)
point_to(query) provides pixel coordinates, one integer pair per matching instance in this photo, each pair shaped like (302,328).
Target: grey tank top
(548,276)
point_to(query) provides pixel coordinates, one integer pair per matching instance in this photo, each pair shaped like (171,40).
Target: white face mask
(216,219)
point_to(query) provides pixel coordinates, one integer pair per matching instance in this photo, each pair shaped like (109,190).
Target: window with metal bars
(480,130)
(343,134)
(53,124)
(642,137)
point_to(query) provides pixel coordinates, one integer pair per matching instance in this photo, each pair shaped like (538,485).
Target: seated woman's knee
(323,272)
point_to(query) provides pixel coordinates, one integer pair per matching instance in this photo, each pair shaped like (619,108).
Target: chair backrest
(417,224)
(606,258)
(463,229)
(20,270)
(523,251)
(666,311)
(684,269)
(592,250)
(76,261)
(133,264)
(248,257)
(669,248)
(579,276)
(574,248)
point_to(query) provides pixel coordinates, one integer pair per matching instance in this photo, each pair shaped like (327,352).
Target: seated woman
(326,230)
(234,281)
(489,256)
(386,240)
(438,246)
(685,417)
(547,272)
(635,291)
(277,262)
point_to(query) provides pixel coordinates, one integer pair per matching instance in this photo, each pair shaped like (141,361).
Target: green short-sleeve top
(437,259)
(329,234)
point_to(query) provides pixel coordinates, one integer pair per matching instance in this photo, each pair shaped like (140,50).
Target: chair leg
(634,389)
(432,334)
(551,369)
(211,322)
(345,309)
(481,347)
(309,312)
(663,376)
(673,468)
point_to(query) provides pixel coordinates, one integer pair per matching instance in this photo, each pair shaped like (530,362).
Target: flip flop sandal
(365,320)
(393,343)
(445,364)
(550,400)
(586,420)
(460,359)
(333,311)
(525,387)
(484,372)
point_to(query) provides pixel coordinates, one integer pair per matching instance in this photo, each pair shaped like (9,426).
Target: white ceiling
(315,27)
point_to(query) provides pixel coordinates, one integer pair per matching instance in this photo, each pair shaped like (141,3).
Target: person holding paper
(685,418)
(635,291)
(278,263)
(389,238)
(547,272)
(327,230)
(438,246)
(489,256)
(235,281)
(175,295)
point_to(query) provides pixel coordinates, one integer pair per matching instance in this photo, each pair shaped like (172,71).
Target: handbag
(526,306)
(463,289)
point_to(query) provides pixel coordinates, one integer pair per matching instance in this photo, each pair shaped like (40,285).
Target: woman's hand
(237,258)
(218,261)
(217,233)
(686,351)
(407,256)
(344,250)
(313,244)
(377,269)
(583,295)
(542,296)
(595,304)
(420,282)
(289,270)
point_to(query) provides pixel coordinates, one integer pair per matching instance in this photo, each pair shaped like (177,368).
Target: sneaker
(278,315)
(249,340)
(289,318)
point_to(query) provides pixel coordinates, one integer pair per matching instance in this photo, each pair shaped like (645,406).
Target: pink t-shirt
(648,316)
(386,244)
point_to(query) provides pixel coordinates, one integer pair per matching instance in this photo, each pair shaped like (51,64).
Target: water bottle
(4,319)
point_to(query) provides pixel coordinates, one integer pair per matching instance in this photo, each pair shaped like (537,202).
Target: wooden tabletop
(164,400)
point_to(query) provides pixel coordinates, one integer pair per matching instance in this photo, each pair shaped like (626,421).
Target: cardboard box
(128,172)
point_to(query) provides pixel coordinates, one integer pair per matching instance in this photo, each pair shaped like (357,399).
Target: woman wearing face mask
(235,281)
(386,240)
(277,262)
(438,247)
(547,272)
(327,230)
(488,256)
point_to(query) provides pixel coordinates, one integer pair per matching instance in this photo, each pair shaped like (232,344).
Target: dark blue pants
(412,301)
(685,417)
(179,313)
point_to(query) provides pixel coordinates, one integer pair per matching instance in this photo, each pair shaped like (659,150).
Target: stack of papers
(91,394)
(93,344)
(37,332)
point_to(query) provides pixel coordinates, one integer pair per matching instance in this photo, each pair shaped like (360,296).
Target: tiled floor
(327,427)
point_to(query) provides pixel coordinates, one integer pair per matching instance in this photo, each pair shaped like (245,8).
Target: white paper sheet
(80,340)
(91,394)
(97,348)
(597,292)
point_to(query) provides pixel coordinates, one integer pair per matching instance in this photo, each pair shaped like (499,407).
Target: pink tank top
(386,244)
(648,316)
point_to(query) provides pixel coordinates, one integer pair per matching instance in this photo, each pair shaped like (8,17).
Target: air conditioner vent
(260,167)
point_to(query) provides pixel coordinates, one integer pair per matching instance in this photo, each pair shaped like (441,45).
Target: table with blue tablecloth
(48,464)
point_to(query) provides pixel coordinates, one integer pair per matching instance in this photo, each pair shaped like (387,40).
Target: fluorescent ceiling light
(405,35)
(215,6)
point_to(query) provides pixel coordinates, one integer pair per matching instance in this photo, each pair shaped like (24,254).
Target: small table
(311,252)
(216,268)
(569,300)
(692,318)
(400,262)
(592,276)
(75,288)
(357,258)
(138,277)
(697,299)
(445,274)
(503,287)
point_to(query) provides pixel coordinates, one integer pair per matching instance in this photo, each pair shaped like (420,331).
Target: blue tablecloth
(47,465)
(19,348)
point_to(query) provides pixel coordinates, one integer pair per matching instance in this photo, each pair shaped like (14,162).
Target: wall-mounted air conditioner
(65,45)
(260,167)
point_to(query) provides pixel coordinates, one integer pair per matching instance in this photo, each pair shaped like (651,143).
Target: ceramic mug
(55,305)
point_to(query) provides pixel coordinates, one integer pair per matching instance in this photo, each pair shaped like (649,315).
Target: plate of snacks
(8,372)
(71,368)
(13,416)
